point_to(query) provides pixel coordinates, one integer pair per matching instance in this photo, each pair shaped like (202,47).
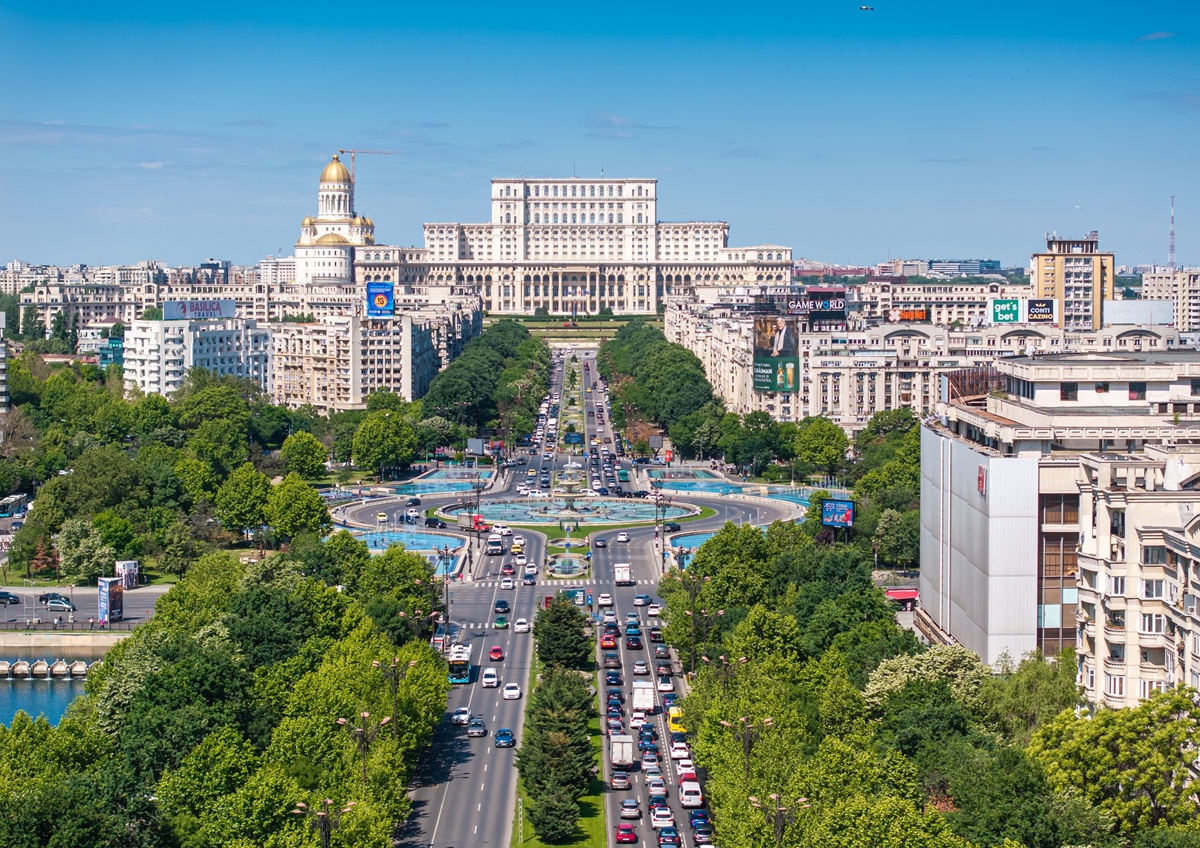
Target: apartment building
(960,302)
(1078,276)
(1182,287)
(158,354)
(1011,534)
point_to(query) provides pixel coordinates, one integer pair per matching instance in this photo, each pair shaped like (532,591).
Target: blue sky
(921,129)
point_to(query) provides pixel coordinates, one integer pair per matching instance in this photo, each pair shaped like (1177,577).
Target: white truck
(643,697)
(621,751)
(622,574)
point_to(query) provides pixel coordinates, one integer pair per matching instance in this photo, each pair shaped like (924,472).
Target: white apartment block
(1182,287)
(158,354)
(1028,487)
(848,376)
(951,302)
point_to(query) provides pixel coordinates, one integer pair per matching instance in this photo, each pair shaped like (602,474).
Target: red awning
(902,594)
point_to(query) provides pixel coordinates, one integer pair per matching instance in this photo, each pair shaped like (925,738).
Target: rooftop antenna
(1171,243)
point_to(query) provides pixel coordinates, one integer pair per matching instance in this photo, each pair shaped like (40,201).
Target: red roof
(902,594)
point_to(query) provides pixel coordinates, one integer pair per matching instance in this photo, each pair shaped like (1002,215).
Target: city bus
(460,664)
(13,505)
(675,720)
(622,475)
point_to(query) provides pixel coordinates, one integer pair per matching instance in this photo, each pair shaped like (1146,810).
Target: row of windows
(576,191)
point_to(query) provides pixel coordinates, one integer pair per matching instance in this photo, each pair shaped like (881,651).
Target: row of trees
(215,719)
(814,712)
(556,761)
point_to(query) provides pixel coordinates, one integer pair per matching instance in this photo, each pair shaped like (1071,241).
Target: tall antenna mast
(1171,244)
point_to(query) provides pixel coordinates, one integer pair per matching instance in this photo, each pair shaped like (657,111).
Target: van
(495,545)
(690,795)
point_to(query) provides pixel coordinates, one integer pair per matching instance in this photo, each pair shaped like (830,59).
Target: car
(528,579)
(604,600)
(633,629)
(531,570)
(519,542)
(501,606)
(656,634)
(615,725)
(507,583)
(654,610)
(702,834)
(496,654)
(501,622)
(684,766)
(9,598)
(507,569)
(645,742)
(538,493)
(502,529)
(614,711)
(663,669)
(680,751)
(620,780)
(637,719)
(476,728)
(622,536)
(652,772)
(661,652)
(630,809)
(626,833)
(600,543)
(661,817)
(665,684)
(612,660)
(641,667)
(381,517)
(649,731)
(521,625)
(671,526)
(612,678)
(516,548)
(656,786)
(504,738)
(433,521)
(609,617)
(670,700)
(669,836)
(633,643)
(512,691)
(414,501)
(698,817)
(520,559)
(642,601)
(462,716)
(656,802)
(60,605)
(615,692)
(490,679)
(50,596)
(607,641)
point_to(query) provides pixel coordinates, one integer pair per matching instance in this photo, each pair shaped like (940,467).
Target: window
(1068,391)
(1114,684)
(1102,388)
(1117,585)
(1195,387)
(1154,555)
(1137,391)
(1152,588)
(1154,624)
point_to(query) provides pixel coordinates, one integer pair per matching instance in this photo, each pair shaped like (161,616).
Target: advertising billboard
(198,310)
(127,571)
(836,512)
(776,363)
(111,601)
(1041,311)
(909,313)
(1006,311)
(380,300)
(823,303)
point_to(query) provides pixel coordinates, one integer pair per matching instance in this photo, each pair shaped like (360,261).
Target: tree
(197,478)
(822,443)
(560,634)
(221,444)
(897,537)
(384,439)
(304,454)
(295,507)
(241,501)
(32,328)
(554,816)
(84,555)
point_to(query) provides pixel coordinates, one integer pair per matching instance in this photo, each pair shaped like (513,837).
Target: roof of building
(335,172)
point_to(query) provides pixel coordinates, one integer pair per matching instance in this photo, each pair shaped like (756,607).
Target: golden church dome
(308,221)
(335,172)
(332,238)
(357,222)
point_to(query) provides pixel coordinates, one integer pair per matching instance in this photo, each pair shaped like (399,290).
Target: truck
(643,696)
(622,574)
(621,751)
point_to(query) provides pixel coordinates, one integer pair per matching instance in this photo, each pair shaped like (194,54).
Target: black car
(501,607)
(9,598)
(671,526)
(612,678)
(661,652)
(51,596)
(504,738)
(413,502)
(433,521)
(528,580)
(633,643)
(616,692)
(657,801)
(656,634)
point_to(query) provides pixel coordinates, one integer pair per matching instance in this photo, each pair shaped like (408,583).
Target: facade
(1077,276)
(960,302)
(158,354)
(1005,511)
(1182,287)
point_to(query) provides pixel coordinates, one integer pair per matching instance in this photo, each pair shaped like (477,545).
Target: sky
(920,128)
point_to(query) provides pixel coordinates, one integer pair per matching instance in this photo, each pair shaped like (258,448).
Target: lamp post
(364,734)
(747,733)
(394,673)
(704,617)
(724,669)
(325,819)
(693,584)
(478,486)
(778,816)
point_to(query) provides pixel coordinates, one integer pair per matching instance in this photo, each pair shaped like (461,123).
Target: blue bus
(460,664)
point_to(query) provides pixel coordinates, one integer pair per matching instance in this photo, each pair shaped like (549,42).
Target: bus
(675,720)
(460,664)
(13,505)
(622,475)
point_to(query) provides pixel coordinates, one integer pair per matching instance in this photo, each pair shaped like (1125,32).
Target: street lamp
(324,820)
(724,669)
(394,673)
(478,486)
(364,735)
(747,733)
(778,816)
(705,618)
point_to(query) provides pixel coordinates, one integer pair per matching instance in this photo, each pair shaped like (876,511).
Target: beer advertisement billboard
(776,355)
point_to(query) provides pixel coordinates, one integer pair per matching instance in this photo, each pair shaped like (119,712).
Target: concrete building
(964,303)
(158,354)
(1077,276)
(1182,287)
(1002,529)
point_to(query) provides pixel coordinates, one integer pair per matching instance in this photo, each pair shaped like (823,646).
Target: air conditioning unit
(1191,609)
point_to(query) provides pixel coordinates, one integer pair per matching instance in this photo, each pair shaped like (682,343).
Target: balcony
(1115,664)
(1156,640)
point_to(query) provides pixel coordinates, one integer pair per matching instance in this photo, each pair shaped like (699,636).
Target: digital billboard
(380,300)
(198,310)
(818,304)
(776,360)
(837,513)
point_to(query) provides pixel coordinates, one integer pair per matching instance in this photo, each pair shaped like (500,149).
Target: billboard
(1007,311)
(111,602)
(380,300)
(909,313)
(824,303)
(198,310)
(836,512)
(475,446)
(127,571)
(1041,311)
(776,363)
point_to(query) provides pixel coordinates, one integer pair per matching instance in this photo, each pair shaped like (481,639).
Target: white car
(538,493)
(520,559)
(461,716)
(597,485)
(521,625)
(665,684)
(680,751)
(511,692)
(518,540)
(637,719)
(604,600)
(531,570)
(684,766)
(490,679)
(661,817)
(507,583)
(502,529)
(622,536)
(522,489)
(654,610)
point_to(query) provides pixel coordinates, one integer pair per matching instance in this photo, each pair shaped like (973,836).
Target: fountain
(568,564)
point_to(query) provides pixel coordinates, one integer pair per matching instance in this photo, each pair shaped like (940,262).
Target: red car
(626,833)
(608,641)
(496,654)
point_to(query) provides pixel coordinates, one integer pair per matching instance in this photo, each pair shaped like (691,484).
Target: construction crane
(354,153)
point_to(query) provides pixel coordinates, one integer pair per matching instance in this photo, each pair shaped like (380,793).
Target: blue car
(504,738)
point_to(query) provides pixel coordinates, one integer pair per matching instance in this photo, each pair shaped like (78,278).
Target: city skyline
(928,130)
